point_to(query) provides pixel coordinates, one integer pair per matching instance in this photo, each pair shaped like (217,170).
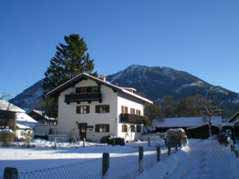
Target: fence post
(176,147)
(232,147)
(54,147)
(83,142)
(141,158)
(158,153)
(169,150)
(10,173)
(105,164)
(236,153)
(149,141)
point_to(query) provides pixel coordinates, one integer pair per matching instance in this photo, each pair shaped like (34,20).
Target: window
(132,128)
(138,112)
(81,90)
(84,90)
(102,108)
(83,109)
(124,110)
(132,111)
(139,128)
(124,128)
(90,128)
(102,128)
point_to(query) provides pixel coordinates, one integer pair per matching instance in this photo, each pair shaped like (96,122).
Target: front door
(82,130)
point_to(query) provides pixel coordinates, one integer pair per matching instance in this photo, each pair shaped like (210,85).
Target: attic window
(90,89)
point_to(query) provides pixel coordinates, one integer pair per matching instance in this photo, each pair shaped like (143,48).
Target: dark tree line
(186,107)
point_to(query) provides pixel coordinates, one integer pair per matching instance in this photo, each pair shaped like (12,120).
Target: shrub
(27,138)
(116,141)
(105,139)
(112,140)
(7,137)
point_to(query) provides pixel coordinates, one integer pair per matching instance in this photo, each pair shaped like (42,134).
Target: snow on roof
(21,126)
(185,122)
(107,83)
(6,106)
(25,121)
(24,118)
(42,113)
(21,117)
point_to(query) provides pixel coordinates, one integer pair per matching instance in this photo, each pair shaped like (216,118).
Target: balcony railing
(133,119)
(70,98)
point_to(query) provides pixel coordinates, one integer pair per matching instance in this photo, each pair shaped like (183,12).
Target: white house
(90,107)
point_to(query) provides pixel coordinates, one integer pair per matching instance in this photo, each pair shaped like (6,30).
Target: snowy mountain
(152,82)
(30,98)
(157,82)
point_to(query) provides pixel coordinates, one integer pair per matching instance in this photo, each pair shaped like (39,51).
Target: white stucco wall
(121,101)
(67,116)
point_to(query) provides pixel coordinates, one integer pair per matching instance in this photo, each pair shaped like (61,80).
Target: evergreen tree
(168,106)
(152,111)
(71,58)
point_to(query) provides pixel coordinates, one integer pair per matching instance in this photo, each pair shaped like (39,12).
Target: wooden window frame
(138,128)
(102,128)
(104,108)
(124,128)
(138,112)
(124,110)
(132,128)
(82,110)
(132,111)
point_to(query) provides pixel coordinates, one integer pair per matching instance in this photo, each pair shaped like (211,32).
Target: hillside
(152,82)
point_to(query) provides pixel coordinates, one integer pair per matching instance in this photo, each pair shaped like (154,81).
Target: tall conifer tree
(71,58)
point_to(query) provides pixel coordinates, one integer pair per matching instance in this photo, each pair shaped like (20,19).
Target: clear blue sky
(201,37)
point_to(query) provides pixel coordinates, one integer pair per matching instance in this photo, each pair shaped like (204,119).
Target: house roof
(42,114)
(188,122)
(6,106)
(234,117)
(82,76)
(21,116)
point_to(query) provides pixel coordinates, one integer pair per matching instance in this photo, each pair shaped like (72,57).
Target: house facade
(91,108)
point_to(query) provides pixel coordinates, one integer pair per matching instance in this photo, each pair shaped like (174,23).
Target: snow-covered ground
(72,160)
(201,159)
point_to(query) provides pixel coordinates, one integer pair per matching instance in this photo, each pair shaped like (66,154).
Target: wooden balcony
(84,97)
(133,119)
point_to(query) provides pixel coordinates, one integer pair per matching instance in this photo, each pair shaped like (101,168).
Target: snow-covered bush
(27,136)
(7,136)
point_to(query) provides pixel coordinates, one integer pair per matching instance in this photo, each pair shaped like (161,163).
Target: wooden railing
(70,98)
(133,118)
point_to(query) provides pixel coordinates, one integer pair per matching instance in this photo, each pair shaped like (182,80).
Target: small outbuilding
(15,119)
(196,127)
(45,126)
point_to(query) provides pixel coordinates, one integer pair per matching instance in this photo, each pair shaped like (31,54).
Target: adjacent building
(91,108)
(16,119)
(195,127)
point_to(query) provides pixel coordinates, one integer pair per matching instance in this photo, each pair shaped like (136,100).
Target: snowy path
(207,159)
(203,159)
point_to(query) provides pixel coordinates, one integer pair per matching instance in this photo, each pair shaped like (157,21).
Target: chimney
(102,77)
